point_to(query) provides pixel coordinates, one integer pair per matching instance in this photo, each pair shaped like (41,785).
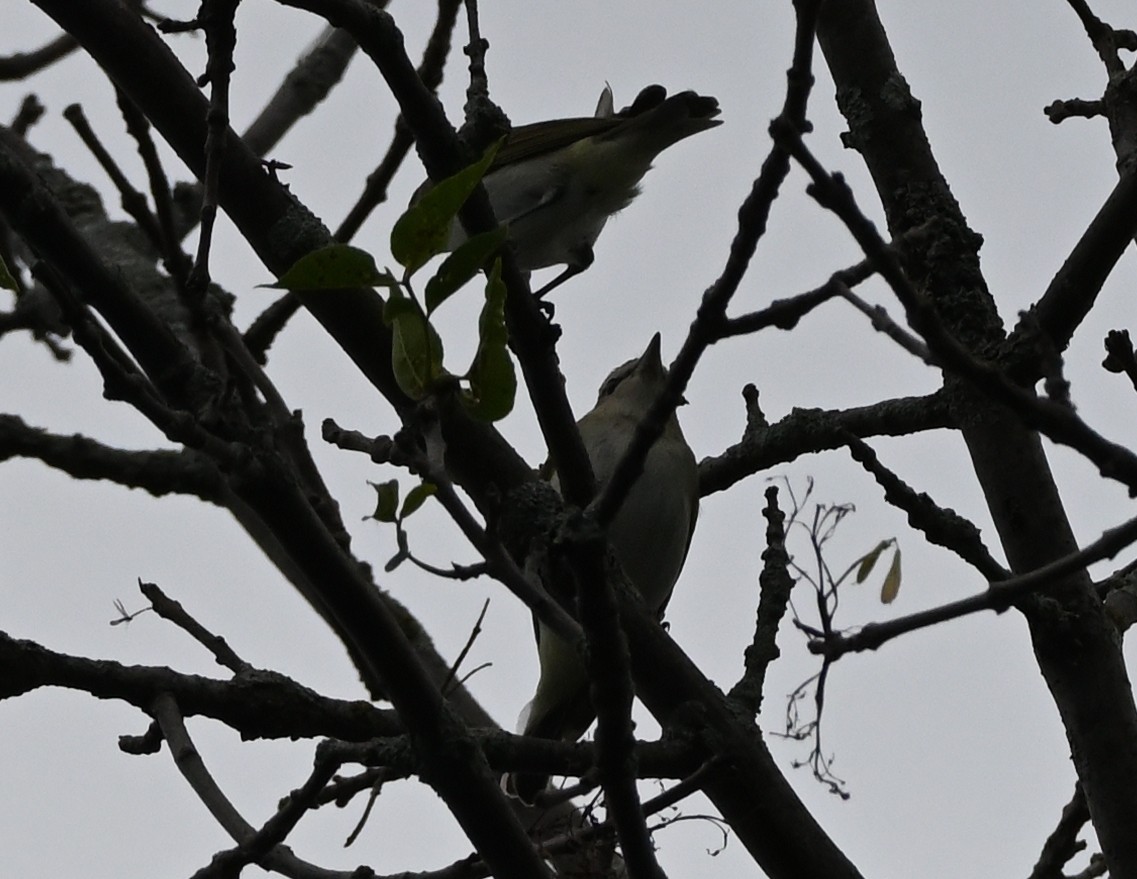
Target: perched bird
(556,183)
(649,535)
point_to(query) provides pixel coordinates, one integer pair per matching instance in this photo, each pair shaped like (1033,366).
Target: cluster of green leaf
(488,387)
(387,510)
(387,500)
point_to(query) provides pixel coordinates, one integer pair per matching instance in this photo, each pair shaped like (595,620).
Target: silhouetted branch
(1056,421)
(257,704)
(999,596)
(173,611)
(23,64)
(775,585)
(805,431)
(941,526)
(1063,843)
(159,472)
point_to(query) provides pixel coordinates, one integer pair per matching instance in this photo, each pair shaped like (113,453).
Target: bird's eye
(615,377)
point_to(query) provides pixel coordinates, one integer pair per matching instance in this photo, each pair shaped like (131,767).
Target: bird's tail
(661,121)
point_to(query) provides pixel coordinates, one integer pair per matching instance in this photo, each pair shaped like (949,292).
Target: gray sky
(947,739)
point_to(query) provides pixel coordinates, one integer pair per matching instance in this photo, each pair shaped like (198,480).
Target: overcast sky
(948,741)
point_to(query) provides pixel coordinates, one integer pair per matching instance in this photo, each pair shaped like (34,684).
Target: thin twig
(269,323)
(611,692)
(474,632)
(1058,422)
(998,596)
(220,40)
(785,313)
(123,380)
(176,260)
(133,201)
(708,324)
(21,65)
(296,806)
(173,611)
(504,567)
(186,757)
(939,525)
(1101,35)
(885,324)
(430,71)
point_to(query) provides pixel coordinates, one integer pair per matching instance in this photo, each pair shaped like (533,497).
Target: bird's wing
(527,141)
(686,549)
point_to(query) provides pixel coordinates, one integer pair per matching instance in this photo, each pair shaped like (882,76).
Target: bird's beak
(605,106)
(652,355)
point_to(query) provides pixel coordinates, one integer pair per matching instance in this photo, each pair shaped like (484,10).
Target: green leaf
(336,266)
(416,349)
(387,500)
(868,562)
(891,587)
(416,497)
(7,281)
(493,383)
(465,262)
(424,230)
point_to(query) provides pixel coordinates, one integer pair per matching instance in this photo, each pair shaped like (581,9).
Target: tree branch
(257,704)
(158,472)
(21,65)
(999,595)
(775,584)
(1074,642)
(1062,844)
(940,526)
(805,431)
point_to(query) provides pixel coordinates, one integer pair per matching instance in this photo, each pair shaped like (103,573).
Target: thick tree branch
(1075,643)
(1075,287)
(452,763)
(529,334)
(805,431)
(32,210)
(305,86)
(611,691)
(308,82)
(253,845)
(274,223)
(258,704)
(158,472)
(1056,419)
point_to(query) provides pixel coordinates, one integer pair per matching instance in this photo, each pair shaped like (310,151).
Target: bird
(554,184)
(650,536)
